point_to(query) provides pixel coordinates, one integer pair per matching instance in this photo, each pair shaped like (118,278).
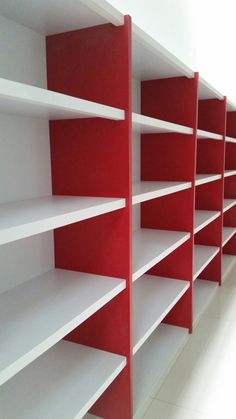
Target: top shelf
(207,91)
(152,61)
(59,16)
(23,99)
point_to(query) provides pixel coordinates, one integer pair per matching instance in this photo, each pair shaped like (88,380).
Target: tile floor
(202,382)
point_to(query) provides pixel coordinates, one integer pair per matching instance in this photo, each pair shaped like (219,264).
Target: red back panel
(211,116)
(92,157)
(231,124)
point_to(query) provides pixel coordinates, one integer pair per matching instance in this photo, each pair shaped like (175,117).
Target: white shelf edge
(209,288)
(205,134)
(206,263)
(229,173)
(228,262)
(111,288)
(42,100)
(204,178)
(214,92)
(185,287)
(155,192)
(157,49)
(71,213)
(228,233)
(106,10)
(229,205)
(148,125)
(208,221)
(230,139)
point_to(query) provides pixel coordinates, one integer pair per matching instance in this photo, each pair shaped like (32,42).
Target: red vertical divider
(209,196)
(230,182)
(172,157)
(92,157)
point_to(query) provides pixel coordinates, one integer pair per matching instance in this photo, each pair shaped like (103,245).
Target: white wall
(202,33)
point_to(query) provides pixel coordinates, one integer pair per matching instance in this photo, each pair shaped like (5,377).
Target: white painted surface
(203,255)
(228,262)
(145,190)
(203,292)
(207,91)
(228,203)
(230,139)
(150,246)
(203,218)
(40,312)
(153,298)
(23,99)
(229,173)
(27,218)
(210,135)
(153,359)
(57,16)
(63,383)
(147,125)
(201,178)
(228,233)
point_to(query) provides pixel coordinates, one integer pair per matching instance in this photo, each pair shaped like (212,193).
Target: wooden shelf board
(203,255)
(38,313)
(229,173)
(145,190)
(228,233)
(210,135)
(207,91)
(63,383)
(203,218)
(58,16)
(228,203)
(230,140)
(228,262)
(153,360)
(153,298)
(23,99)
(152,61)
(151,246)
(146,125)
(202,178)
(33,216)
(203,292)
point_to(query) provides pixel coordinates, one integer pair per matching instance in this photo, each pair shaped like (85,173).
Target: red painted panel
(230,217)
(92,157)
(211,235)
(231,124)
(210,156)
(211,115)
(230,187)
(209,196)
(213,271)
(230,247)
(230,156)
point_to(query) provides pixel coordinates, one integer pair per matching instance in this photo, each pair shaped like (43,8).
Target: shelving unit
(88,241)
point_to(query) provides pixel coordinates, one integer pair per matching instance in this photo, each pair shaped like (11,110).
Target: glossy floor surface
(202,383)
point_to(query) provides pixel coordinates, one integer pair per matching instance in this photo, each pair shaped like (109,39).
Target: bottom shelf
(153,360)
(65,382)
(228,262)
(203,292)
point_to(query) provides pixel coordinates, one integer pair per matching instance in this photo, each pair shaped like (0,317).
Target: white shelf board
(202,178)
(203,218)
(38,313)
(153,360)
(153,298)
(207,91)
(228,203)
(63,383)
(57,16)
(230,105)
(27,218)
(152,61)
(230,140)
(150,246)
(210,135)
(203,292)
(228,262)
(145,190)
(228,233)
(89,416)
(23,99)
(203,255)
(147,125)
(229,173)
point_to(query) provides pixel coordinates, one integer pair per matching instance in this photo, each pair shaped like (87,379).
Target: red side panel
(92,157)
(171,157)
(211,115)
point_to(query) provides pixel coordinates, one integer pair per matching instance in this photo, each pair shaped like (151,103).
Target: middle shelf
(41,311)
